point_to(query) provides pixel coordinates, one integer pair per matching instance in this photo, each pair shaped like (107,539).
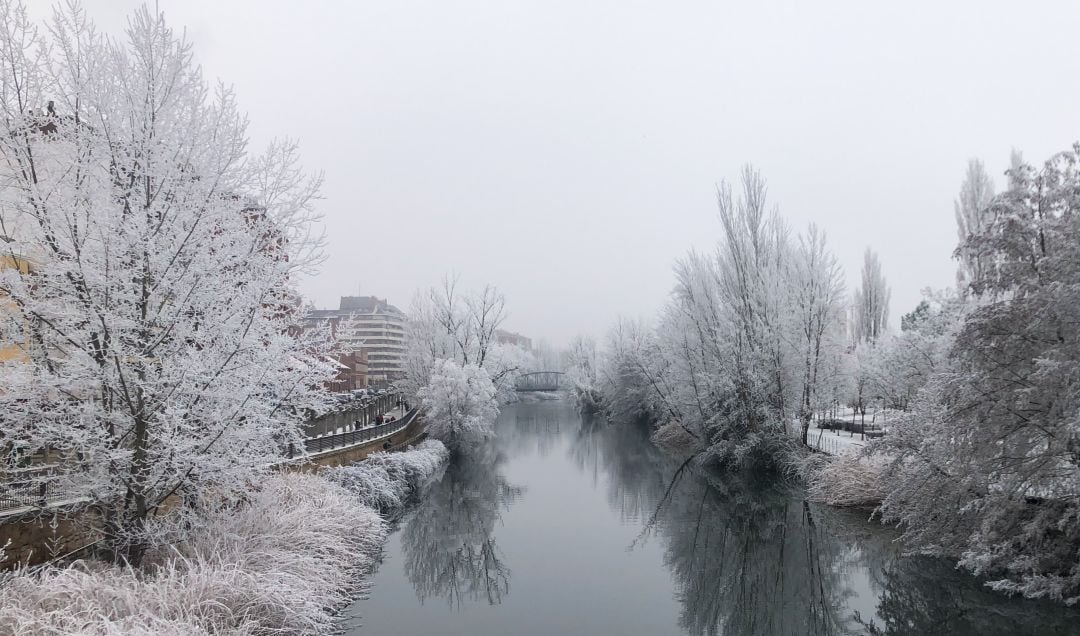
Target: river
(568,527)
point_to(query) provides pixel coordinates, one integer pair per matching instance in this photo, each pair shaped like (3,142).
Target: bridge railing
(539,381)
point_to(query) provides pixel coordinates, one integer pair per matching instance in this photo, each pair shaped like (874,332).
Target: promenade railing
(30,487)
(356,436)
(36,486)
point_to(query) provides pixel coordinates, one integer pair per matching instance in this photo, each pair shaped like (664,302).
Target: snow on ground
(829,441)
(835,442)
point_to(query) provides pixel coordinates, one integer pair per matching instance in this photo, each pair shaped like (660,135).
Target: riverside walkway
(34,488)
(358,434)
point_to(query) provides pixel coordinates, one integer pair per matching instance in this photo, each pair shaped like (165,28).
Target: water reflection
(928,596)
(535,427)
(745,561)
(746,556)
(448,544)
(753,557)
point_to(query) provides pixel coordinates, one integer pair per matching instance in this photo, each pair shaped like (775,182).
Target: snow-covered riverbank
(282,560)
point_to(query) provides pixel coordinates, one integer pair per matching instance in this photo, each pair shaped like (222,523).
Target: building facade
(374,326)
(352,372)
(14,330)
(511,338)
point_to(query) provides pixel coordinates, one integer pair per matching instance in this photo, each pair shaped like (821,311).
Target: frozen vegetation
(385,481)
(455,368)
(155,294)
(979,460)
(280,560)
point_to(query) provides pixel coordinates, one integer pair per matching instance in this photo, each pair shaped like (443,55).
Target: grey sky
(568,151)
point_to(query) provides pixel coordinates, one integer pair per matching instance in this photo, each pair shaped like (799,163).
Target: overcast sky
(568,151)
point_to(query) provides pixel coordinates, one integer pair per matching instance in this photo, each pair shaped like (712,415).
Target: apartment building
(374,326)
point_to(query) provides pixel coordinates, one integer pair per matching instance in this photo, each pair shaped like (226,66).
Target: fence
(356,436)
(36,487)
(825,444)
(33,486)
(360,417)
(866,430)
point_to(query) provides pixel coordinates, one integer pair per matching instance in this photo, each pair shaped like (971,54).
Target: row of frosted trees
(982,457)
(751,343)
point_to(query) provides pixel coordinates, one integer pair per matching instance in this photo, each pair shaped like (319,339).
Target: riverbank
(283,559)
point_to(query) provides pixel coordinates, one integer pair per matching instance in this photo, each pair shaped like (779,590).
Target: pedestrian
(379,420)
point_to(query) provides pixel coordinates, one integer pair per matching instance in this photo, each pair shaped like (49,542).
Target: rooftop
(367,305)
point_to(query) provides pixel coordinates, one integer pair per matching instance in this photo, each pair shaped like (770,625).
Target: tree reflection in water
(753,562)
(747,556)
(929,596)
(753,557)
(448,543)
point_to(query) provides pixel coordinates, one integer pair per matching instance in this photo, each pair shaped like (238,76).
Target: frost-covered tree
(987,467)
(632,388)
(749,340)
(504,363)
(548,357)
(448,324)
(900,365)
(753,276)
(973,216)
(582,361)
(469,320)
(871,300)
(459,403)
(816,302)
(159,358)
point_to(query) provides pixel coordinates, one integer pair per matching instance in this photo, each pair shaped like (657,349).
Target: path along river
(569,527)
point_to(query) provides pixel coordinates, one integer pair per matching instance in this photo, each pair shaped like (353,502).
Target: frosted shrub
(674,436)
(113,600)
(306,542)
(415,466)
(588,399)
(849,480)
(371,484)
(281,562)
(385,481)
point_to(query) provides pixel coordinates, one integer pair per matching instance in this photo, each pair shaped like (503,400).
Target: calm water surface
(570,527)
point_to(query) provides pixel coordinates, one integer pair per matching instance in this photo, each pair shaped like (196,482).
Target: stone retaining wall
(38,537)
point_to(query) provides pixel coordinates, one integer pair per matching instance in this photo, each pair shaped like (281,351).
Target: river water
(569,527)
